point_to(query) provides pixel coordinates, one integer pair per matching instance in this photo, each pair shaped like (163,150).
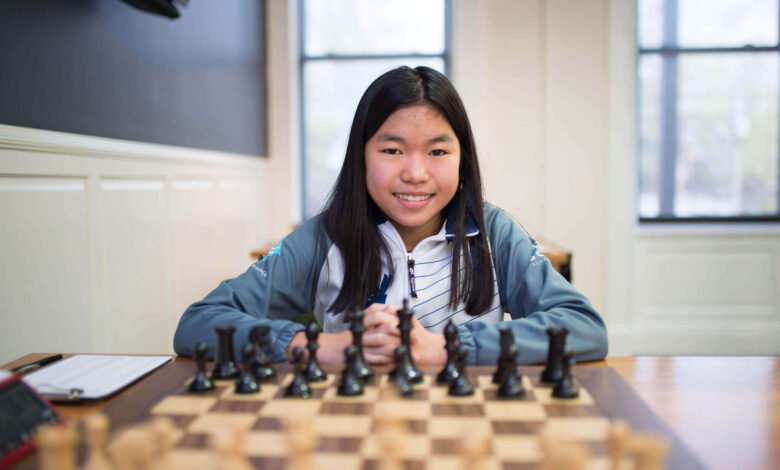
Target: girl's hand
(381,336)
(331,350)
(427,348)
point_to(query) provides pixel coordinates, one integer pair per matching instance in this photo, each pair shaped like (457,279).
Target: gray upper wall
(101,67)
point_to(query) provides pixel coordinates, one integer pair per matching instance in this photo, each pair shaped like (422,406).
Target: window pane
(374,27)
(332,90)
(728,135)
(651,23)
(727,23)
(649,134)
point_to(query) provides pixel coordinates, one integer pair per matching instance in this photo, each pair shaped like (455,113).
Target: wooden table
(726,409)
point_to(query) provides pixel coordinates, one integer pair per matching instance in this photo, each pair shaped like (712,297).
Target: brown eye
(391,151)
(438,152)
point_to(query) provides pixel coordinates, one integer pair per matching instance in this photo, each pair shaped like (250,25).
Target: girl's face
(412,170)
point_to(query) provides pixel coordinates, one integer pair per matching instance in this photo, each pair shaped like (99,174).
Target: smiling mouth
(409,197)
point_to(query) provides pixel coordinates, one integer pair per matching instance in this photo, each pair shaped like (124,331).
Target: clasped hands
(379,340)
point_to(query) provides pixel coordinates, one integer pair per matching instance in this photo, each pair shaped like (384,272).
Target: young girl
(406,220)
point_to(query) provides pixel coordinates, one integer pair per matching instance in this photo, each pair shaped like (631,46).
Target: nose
(415,168)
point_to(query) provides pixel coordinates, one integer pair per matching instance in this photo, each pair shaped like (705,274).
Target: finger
(384,350)
(381,319)
(379,339)
(377,360)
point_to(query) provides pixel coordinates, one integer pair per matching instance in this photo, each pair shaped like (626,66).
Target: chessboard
(434,422)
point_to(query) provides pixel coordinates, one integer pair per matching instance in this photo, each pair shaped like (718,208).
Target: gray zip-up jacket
(299,276)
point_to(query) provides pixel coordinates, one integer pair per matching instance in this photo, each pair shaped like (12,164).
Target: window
(345,45)
(708,77)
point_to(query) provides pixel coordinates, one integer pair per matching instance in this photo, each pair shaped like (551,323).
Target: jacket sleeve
(537,297)
(271,292)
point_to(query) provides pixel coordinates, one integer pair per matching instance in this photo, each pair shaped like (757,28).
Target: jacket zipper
(412,284)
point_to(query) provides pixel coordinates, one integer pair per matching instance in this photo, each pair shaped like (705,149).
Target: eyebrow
(385,137)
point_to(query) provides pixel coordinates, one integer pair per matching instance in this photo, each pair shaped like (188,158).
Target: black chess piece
(567,385)
(557,344)
(201,383)
(402,385)
(511,385)
(450,371)
(413,373)
(350,384)
(260,337)
(461,387)
(506,340)
(314,372)
(225,361)
(361,368)
(247,383)
(299,387)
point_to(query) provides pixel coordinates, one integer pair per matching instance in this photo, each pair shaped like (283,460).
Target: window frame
(670,52)
(303,58)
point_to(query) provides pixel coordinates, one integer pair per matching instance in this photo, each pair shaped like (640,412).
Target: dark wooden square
(339,444)
(316,393)
(373,464)
(237,406)
(268,463)
(180,421)
(267,423)
(194,441)
(568,411)
(420,394)
(456,409)
(516,427)
(492,395)
(341,408)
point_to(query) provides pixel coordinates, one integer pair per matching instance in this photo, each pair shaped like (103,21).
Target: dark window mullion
(667,168)
(777,181)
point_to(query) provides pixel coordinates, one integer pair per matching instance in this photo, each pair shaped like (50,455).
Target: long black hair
(350,216)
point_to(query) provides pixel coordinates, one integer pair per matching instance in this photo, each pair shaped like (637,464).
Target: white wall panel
(104,252)
(44,262)
(134,265)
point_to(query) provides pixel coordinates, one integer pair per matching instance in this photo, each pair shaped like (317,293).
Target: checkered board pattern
(345,426)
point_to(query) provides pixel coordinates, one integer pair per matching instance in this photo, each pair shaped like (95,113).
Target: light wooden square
(441,395)
(457,427)
(340,461)
(193,458)
(282,408)
(579,428)
(265,443)
(544,396)
(343,426)
(207,422)
(517,448)
(515,410)
(403,409)
(184,405)
(413,446)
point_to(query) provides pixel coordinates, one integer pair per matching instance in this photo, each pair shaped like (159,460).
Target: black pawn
(260,337)
(413,374)
(225,361)
(361,368)
(402,385)
(461,387)
(350,384)
(507,339)
(553,369)
(450,371)
(511,382)
(314,372)
(299,387)
(567,386)
(247,383)
(201,383)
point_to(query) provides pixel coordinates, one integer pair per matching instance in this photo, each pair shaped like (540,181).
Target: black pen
(36,364)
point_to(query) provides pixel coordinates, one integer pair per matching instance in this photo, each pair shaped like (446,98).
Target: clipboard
(91,377)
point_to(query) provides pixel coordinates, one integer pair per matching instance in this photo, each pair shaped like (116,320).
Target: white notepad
(90,377)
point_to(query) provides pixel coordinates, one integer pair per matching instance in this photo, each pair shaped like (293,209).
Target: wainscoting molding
(104,243)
